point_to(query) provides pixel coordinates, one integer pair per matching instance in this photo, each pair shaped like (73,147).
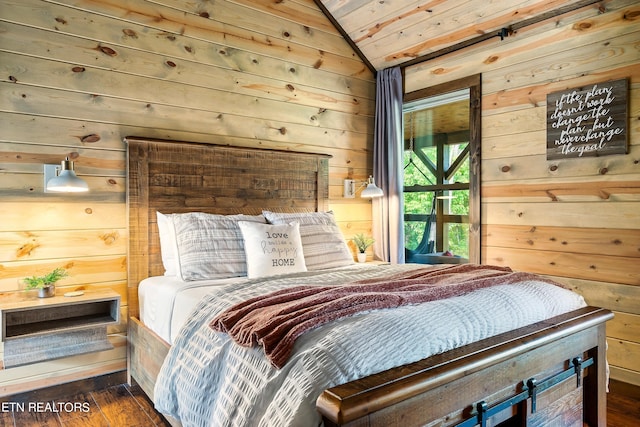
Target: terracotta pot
(47,291)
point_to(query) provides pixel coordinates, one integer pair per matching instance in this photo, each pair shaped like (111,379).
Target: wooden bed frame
(549,373)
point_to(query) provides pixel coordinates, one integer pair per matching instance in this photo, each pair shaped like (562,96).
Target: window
(441,174)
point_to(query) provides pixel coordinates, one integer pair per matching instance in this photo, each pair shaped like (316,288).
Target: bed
(551,371)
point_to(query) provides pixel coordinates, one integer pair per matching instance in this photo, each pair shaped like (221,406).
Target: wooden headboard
(177,176)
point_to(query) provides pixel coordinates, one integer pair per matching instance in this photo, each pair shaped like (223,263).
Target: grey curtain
(388,227)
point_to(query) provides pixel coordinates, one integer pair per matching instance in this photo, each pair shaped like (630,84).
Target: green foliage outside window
(420,203)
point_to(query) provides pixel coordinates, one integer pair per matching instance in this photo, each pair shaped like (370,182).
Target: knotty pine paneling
(391,32)
(574,220)
(55,243)
(582,214)
(548,46)
(611,241)
(611,190)
(623,330)
(621,353)
(626,326)
(621,298)
(600,267)
(76,77)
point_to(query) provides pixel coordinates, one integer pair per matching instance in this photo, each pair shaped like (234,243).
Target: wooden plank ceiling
(399,32)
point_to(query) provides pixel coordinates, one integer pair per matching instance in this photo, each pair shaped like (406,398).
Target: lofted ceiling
(400,32)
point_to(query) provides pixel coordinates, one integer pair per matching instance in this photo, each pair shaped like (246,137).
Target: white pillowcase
(168,245)
(205,246)
(322,241)
(272,249)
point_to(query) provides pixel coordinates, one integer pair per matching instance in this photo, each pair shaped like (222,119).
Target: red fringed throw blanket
(276,320)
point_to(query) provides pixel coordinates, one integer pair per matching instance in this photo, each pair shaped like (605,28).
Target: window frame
(474,85)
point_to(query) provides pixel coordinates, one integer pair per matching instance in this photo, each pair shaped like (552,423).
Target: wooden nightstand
(35,329)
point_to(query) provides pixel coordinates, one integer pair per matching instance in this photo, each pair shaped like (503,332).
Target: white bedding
(207,380)
(166,301)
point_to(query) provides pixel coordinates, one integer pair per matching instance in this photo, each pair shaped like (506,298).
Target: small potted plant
(362,242)
(45,284)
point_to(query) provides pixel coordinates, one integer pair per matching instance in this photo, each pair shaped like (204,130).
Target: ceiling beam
(344,34)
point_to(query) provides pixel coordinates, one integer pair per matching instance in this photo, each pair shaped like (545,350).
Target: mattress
(166,301)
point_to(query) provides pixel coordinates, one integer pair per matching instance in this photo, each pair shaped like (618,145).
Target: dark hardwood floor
(623,405)
(121,405)
(110,403)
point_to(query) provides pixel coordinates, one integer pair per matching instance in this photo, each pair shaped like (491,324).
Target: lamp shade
(66,180)
(371,191)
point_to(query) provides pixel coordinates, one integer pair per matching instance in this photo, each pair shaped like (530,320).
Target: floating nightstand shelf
(36,329)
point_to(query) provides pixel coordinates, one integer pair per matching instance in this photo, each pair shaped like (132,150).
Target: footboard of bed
(549,373)
(147,351)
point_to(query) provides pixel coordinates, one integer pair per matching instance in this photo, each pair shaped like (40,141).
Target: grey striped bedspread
(208,380)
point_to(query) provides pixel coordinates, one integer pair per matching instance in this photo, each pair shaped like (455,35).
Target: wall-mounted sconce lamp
(62,179)
(371,190)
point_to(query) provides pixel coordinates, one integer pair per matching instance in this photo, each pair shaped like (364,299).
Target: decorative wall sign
(589,121)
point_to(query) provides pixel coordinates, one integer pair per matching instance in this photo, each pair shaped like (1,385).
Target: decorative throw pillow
(210,246)
(322,241)
(272,249)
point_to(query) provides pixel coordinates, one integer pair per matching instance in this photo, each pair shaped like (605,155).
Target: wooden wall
(576,220)
(76,76)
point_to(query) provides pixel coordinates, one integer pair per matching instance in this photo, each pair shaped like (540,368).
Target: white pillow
(168,245)
(272,249)
(210,246)
(322,241)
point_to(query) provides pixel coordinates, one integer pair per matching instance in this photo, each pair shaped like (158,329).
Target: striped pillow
(322,241)
(210,246)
